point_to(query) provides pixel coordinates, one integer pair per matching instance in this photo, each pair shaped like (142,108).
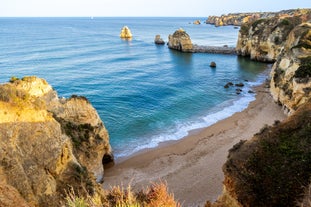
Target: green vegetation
(257,22)
(273,169)
(13,79)
(244,29)
(79,133)
(304,70)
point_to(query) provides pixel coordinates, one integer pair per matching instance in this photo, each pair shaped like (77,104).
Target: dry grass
(156,195)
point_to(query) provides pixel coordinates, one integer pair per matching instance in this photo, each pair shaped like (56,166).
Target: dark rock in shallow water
(250,91)
(239,84)
(228,85)
(158,40)
(212,65)
(238,91)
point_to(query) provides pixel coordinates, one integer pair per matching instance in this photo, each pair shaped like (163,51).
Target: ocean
(144,93)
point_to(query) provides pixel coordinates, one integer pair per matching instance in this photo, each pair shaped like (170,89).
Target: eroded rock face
(180,40)
(48,144)
(263,39)
(291,74)
(126,33)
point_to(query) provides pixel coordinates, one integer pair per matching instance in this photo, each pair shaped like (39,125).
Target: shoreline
(192,166)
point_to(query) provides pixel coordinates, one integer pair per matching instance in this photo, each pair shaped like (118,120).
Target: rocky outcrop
(180,40)
(291,74)
(158,40)
(273,167)
(49,145)
(197,22)
(238,19)
(263,39)
(126,33)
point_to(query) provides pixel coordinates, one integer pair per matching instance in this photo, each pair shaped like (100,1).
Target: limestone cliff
(238,19)
(291,74)
(47,144)
(263,39)
(180,40)
(272,168)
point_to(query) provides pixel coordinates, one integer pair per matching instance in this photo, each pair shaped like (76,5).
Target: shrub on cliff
(304,70)
(273,167)
(154,196)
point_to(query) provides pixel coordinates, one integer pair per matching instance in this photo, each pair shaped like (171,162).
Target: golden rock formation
(48,144)
(180,40)
(126,33)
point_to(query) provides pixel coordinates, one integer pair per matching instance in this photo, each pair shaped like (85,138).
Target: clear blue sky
(195,8)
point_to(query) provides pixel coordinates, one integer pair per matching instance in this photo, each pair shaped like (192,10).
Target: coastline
(192,166)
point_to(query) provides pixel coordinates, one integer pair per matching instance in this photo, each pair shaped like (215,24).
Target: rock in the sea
(228,85)
(238,90)
(212,64)
(49,145)
(126,33)
(180,40)
(239,84)
(197,22)
(158,40)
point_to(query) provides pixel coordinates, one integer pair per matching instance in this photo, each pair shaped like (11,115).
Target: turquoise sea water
(144,93)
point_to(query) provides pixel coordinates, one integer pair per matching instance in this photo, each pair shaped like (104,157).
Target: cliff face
(291,74)
(180,40)
(49,144)
(273,167)
(263,39)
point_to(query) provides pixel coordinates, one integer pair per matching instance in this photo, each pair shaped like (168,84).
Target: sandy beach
(192,166)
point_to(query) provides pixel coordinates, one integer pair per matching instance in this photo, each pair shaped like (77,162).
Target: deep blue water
(144,93)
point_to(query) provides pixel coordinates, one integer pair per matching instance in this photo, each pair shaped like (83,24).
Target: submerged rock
(126,33)
(180,40)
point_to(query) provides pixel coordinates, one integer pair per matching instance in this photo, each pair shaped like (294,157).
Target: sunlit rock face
(291,73)
(126,33)
(263,39)
(49,144)
(180,40)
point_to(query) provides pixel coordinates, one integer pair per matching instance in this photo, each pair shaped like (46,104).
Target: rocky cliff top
(47,144)
(238,19)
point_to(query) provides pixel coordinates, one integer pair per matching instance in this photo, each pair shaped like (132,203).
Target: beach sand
(192,166)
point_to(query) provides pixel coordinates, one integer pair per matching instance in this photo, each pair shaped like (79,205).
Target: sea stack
(126,33)
(180,40)
(158,40)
